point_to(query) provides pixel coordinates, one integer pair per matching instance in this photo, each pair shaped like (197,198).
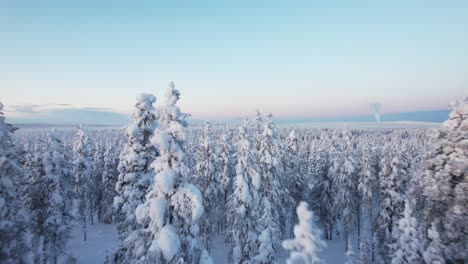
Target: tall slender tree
(15,243)
(135,175)
(82,172)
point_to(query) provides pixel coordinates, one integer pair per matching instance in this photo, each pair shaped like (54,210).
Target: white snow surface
(102,239)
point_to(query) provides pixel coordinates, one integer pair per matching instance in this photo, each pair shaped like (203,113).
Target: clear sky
(228,58)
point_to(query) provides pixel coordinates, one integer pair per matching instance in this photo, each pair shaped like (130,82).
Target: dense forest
(393,195)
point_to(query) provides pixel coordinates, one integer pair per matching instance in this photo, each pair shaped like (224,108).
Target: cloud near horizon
(68,114)
(63,114)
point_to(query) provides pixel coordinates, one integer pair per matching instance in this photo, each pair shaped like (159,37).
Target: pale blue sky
(293,58)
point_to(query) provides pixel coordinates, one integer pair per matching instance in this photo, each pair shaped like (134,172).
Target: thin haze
(293,58)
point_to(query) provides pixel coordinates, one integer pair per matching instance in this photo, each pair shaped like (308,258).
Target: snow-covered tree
(61,206)
(391,194)
(82,171)
(446,184)
(169,216)
(208,180)
(434,252)
(109,181)
(257,129)
(51,207)
(350,254)
(407,248)
(293,179)
(307,242)
(135,175)
(270,193)
(322,192)
(15,244)
(226,166)
(97,188)
(346,200)
(243,203)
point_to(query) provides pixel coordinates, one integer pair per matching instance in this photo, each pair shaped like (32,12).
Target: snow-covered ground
(102,239)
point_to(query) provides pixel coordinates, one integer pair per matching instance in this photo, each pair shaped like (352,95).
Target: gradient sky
(228,58)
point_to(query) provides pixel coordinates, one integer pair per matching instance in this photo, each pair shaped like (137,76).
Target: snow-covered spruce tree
(82,171)
(208,180)
(350,254)
(407,247)
(61,205)
(257,129)
(270,194)
(446,184)
(51,210)
(226,166)
(169,216)
(434,253)
(391,189)
(366,187)
(15,244)
(109,181)
(135,175)
(97,188)
(307,242)
(293,180)
(346,200)
(322,192)
(243,203)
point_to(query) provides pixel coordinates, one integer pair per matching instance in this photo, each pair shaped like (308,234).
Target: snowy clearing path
(102,239)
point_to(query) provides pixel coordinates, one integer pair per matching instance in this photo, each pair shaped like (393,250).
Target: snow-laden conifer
(307,242)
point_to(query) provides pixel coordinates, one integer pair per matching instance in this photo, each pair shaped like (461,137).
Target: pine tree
(226,167)
(169,216)
(407,248)
(15,244)
(51,206)
(243,204)
(270,193)
(82,172)
(135,175)
(307,242)
(434,252)
(322,191)
(346,201)
(96,178)
(208,181)
(108,182)
(293,179)
(61,209)
(446,185)
(391,188)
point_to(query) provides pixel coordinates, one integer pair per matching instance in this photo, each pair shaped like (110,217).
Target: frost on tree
(51,206)
(15,241)
(322,192)
(434,251)
(226,168)
(407,246)
(243,203)
(307,242)
(392,180)
(82,170)
(135,175)
(446,184)
(108,182)
(207,178)
(270,194)
(346,201)
(173,206)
